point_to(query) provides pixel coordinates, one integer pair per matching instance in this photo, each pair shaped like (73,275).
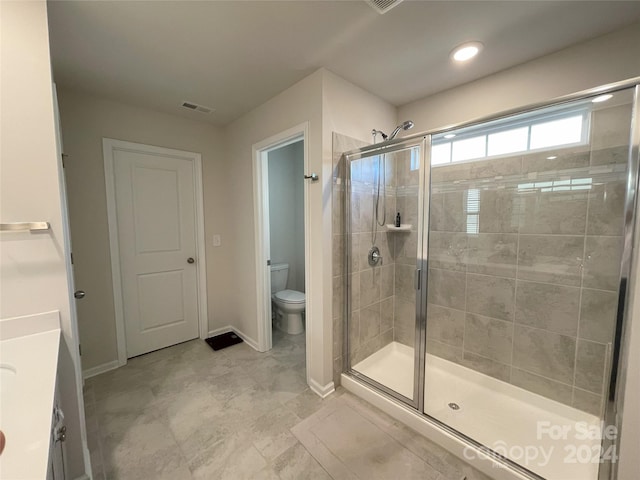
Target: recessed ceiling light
(450,135)
(466,51)
(552,157)
(602,98)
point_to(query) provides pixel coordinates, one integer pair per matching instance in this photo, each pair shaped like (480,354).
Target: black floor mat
(223,340)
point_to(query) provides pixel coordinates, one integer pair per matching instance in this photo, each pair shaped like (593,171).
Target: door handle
(313,177)
(190,260)
(79,294)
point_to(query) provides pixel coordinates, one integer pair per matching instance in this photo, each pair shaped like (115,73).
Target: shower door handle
(417,281)
(314,177)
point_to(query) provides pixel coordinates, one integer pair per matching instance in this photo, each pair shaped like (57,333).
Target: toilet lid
(290,296)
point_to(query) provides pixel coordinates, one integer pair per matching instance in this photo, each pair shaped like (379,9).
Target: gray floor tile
(187,412)
(297,464)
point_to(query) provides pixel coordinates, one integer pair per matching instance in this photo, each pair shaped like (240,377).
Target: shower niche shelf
(404,227)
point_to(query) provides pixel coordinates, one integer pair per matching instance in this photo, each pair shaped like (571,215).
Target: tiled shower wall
(524,263)
(405,248)
(341,144)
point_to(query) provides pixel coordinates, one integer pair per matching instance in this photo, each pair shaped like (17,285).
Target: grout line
(546,378)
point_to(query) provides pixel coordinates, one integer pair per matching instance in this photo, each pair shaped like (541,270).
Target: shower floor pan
(549,438)
(391,366)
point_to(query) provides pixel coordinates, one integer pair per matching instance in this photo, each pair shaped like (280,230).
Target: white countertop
(28,365)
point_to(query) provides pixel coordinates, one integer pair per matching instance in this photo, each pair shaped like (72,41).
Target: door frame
(74,348)
(260,152)
(109,146)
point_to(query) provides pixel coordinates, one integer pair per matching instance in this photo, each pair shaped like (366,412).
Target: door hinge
(71,254)
(59,429)
(417,281)
(63,155)
(80,349)
(60,434)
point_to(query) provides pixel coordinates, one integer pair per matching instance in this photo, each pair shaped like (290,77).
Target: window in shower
(523,133)
(524,251)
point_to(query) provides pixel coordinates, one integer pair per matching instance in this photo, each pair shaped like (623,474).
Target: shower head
(403,126)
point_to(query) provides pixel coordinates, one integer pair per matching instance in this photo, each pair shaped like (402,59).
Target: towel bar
(23,226)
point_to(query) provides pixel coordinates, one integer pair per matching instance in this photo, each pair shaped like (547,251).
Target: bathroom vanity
(28,365)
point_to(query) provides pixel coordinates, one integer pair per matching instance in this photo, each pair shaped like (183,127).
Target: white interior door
(155,208)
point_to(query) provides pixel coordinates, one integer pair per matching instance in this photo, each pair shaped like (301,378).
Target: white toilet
(288,304)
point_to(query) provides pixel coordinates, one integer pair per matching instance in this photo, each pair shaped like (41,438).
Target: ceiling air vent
(197,108)
(383,6)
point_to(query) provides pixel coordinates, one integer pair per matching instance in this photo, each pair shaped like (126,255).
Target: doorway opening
(286,237)
(282,240)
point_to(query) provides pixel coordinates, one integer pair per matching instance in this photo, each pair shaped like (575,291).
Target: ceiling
(234,55)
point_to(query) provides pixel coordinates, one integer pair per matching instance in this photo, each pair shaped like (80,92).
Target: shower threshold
(514,422)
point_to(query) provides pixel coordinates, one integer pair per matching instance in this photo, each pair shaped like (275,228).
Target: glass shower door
(526,230)
(382,267)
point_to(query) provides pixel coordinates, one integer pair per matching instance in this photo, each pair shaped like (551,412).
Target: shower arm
(394,133)
(375,132)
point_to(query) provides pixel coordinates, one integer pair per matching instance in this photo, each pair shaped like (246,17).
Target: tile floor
(187,412)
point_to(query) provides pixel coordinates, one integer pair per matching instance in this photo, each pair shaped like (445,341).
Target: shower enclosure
(496,308)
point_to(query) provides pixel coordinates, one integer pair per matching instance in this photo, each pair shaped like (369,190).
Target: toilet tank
(279,274)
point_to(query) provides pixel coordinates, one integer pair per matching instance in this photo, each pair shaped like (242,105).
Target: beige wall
(603,60)
(299,104)
(328,103)
(86,119)
(33,268)
(323,100)
(352,113)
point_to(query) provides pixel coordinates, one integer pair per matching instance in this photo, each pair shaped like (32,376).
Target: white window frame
(504,125)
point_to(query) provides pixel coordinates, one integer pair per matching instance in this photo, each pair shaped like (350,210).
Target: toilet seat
(289,296)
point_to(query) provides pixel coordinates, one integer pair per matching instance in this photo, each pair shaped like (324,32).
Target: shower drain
(454,406)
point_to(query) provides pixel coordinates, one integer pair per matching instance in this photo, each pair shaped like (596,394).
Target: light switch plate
(216,241)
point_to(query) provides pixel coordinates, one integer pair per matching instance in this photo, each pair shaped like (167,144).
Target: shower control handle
(374,256)
(314,177)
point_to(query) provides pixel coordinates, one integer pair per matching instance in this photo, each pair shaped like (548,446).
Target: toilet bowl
(288,312)
(288,305)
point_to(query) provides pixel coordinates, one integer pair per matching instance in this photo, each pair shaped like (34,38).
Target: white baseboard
(248,340)
(228,328)
(219,331)
(322,391)
(105,367)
